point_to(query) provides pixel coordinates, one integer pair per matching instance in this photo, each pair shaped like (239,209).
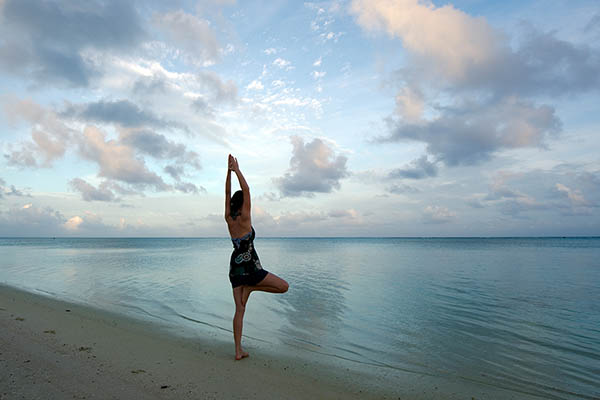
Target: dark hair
(235,204)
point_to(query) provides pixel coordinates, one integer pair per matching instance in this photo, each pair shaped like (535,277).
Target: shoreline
(49,352)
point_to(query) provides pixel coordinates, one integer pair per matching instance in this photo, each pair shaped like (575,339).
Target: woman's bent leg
(271,283)
(238,322)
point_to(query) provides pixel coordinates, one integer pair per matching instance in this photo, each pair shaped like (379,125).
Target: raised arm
(246,207)
(228,188)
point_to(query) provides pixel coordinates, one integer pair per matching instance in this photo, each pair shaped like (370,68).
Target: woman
(245,272)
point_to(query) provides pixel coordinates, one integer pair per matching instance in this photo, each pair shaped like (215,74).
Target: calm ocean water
(516,313)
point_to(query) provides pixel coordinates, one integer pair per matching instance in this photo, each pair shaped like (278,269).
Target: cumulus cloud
(467,89)
(73,223)
(50,137)
(157,146)
(314,168)
(90,193)
(417,169)
(473,132)
(76,28)
(190,32)
(120,160)
(121,112)
(116,160)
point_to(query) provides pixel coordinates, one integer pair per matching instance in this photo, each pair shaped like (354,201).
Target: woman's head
(235,205)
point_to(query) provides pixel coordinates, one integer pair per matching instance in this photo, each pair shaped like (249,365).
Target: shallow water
(516,313)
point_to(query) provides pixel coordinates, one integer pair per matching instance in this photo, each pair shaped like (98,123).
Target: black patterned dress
(244,265)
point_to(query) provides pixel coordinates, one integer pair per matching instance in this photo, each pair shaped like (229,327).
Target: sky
(348,118)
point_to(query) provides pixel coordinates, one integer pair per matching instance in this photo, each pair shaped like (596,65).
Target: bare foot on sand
(241,354)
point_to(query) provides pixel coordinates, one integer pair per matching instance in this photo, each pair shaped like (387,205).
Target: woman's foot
(241,354)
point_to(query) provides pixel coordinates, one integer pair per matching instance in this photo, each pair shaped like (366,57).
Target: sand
(51,349)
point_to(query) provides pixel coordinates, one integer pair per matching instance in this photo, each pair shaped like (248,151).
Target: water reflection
(316,302)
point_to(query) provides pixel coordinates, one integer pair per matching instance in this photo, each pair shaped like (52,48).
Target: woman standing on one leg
(245,272)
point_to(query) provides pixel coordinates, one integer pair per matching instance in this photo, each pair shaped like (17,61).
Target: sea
(520,314)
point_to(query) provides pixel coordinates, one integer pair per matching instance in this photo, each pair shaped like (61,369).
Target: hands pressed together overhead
(232,162)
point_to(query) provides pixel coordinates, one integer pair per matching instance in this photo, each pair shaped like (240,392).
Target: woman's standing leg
(238,322)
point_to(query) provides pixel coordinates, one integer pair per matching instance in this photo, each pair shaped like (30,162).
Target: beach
(364,318)
(51,349)
(56,350)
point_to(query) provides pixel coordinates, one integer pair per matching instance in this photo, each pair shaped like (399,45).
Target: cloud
(437,215)
(452,40)
(410,104)
(270,51)
(193,34)
(282,63)
(157,146)
(468,90)
(593,24)
(417,169)
(473,132)
(314,168)
(349,213)
(121,112)
(187,187)
(221,91)
(331,36)
(318,74)
(73,223)
(90,193)
(10,191)
(255,85)
(402,189)
(76,29)
(201,106)
(50,137)
(566,189)
(574,196)
(30,220)
(117,160)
